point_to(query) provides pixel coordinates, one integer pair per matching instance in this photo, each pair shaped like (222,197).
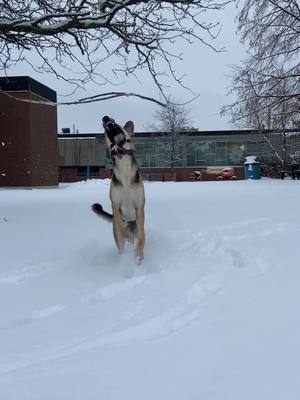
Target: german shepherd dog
(126,189)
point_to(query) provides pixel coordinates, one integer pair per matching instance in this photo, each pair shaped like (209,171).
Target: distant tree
(73,38)
(267,85)
(271,31)
(255,112)
(174,121)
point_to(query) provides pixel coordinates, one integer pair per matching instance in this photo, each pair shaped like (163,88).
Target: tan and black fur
(126,193)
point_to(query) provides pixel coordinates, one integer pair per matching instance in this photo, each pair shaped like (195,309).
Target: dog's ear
(129,127)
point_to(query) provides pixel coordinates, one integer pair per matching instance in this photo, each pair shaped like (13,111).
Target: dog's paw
(139,260)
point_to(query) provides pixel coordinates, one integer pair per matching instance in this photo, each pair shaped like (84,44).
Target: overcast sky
(205,72)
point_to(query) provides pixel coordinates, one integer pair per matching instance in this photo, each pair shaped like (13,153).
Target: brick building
(28,134)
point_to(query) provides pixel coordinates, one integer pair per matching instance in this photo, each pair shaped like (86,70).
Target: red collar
(122,152)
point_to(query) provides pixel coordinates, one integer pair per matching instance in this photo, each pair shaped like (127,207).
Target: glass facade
(188,152)
(158,153)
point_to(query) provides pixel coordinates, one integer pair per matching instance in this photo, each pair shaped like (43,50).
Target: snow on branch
(267,84)
(79,36)
(85,100)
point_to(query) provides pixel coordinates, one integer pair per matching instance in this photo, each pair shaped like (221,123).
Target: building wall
(195,151)
(186,174)
(15,149)
(70,174)
(28,142)
(44,144)
(82,151)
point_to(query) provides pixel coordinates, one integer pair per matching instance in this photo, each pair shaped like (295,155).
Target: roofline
(24,83)
(191,133)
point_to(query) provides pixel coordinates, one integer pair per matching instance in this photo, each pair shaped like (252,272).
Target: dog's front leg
(120,233)
(140,221)
(118,236)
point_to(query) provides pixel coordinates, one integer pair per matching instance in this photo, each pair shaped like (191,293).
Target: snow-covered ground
(213,312)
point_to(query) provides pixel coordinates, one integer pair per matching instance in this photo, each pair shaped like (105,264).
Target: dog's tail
(97,208)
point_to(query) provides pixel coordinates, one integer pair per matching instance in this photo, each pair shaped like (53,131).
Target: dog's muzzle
(113,130)
(117,138)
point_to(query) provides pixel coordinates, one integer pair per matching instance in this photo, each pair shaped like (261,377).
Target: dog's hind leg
(140,221)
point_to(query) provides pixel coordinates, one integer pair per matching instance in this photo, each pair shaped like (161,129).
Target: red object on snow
(227,174)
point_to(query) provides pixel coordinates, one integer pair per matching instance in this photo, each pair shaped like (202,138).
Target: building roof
(190,134)
(25,83)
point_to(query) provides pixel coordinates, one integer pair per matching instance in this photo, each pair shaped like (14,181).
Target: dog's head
(116,136)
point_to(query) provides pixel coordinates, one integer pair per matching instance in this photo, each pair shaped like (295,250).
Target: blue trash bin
(252,168)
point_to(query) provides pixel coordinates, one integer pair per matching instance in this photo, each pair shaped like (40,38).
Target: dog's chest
(125,195)
(128,199)
(125,191)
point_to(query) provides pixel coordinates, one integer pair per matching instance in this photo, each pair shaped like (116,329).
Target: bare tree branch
(80,35)
(85,100)
(267,85)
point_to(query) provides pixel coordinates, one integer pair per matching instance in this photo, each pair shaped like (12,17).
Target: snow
(212,313)
(250,160)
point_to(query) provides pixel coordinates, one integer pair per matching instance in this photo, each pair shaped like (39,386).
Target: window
(81,171)
(190,155)
(148,147)
(220,155)
(94,171)
(235,154)
(139,149)
(200,155)
(251,148)
(210,159)
(139,161)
